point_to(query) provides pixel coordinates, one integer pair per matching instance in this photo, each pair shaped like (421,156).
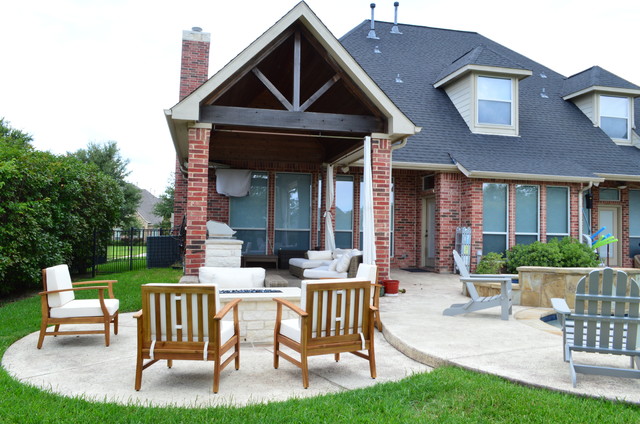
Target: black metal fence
(125,250)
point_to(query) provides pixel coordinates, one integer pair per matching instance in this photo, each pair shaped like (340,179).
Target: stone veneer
(257,312)
(539,284)
(223,253)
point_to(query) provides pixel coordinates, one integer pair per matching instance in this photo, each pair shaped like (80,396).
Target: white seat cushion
(307,263)
(290,328)
(323,272)
(84,308)
(232,278)
(226,331)
(58,278)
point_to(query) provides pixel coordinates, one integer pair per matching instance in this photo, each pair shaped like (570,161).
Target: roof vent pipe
(394,28)
(372,32)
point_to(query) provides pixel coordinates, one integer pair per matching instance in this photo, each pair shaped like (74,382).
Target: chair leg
(372,361)
(56,329)
(216,375)
(276,348)
(337,357)
(107,331)
(115,324)
(305,369)
(237,352)
(43,331)
(138,370)
(169,363)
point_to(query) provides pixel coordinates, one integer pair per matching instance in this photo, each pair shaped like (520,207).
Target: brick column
(197,190)
(179,196)
(381,172)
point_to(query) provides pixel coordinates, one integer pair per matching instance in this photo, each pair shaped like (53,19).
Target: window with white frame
(248,216)
(495,200)
(614,116)
(557,212)
(344,212)
(634,222)
(527,215)
(495,101)
(293,211)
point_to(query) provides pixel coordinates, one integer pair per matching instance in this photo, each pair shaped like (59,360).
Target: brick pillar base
(381,172)
(197,189)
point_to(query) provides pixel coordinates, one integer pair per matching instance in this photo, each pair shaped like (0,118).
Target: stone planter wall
(539,284)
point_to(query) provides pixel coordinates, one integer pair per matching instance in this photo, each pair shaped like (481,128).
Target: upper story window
(614,116)
(495,101)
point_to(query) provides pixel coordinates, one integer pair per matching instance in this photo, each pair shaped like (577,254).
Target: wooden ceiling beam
(309,121)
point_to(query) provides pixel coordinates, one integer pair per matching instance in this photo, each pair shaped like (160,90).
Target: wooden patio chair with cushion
(59,305)
(477,302)
(184,322)
(335,317)
(605,320)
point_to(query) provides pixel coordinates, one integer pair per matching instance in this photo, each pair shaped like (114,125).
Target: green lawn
(446,395)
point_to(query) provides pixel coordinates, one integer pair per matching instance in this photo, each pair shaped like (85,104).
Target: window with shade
(344,212)
(293,211)
(634,222)
(527,216)
(557,212)
(494,217)
(248,216)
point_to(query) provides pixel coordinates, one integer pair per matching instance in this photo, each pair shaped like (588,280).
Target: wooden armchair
(335,317)
(59,305)
(184,322)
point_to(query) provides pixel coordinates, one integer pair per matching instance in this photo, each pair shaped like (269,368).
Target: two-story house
(466,133)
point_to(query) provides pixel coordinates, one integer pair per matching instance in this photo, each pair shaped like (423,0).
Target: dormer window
(614,116)
(495,101)
(483,85)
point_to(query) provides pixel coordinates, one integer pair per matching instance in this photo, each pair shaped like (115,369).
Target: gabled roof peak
(593,77)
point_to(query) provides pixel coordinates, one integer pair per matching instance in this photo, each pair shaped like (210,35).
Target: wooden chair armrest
(291,306)
(560,305)
(377,285)
(95,282)
(373,308)
(100,288)
(225,310)
(138,314)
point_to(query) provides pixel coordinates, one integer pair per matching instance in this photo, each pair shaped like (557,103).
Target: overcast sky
(75,71)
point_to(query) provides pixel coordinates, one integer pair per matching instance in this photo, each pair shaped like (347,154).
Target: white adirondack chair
(477,302)
(605,321)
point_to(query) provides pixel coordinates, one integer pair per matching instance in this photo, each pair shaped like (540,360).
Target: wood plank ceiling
(292,103)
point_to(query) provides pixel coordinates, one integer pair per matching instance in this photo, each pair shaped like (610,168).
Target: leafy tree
(108,159)
(49,206)
(164,207)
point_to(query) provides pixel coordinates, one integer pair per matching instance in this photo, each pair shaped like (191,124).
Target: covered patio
(291,107)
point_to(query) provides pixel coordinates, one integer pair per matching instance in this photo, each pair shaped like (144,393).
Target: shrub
(534,254)
(576,254)
(567,252)
(491,263)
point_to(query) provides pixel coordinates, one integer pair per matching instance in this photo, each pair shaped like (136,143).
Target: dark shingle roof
(479,55)
(555,138)
(145,209)
(595,76)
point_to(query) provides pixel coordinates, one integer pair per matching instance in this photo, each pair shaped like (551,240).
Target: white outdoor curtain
(329,239)
(368,231)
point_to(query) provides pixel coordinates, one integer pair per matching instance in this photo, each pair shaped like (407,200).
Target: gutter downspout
(580,200)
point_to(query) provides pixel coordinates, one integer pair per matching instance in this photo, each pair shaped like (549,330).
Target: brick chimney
(194,72)
(195,60)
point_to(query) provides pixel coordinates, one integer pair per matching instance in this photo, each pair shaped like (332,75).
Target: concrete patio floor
(416,337)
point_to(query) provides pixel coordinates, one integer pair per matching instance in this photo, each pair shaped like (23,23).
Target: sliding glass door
(248,216)
(293,211)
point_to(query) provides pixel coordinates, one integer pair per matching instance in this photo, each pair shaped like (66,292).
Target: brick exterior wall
(197,195)
(381,178)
